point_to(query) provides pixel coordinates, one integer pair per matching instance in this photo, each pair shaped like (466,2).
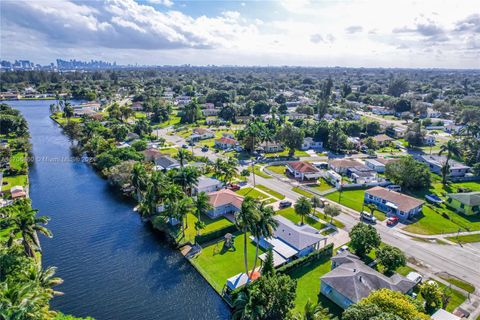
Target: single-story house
(210,112)
(17,192)
(393,203)
(151,154)
(291,241)
(270,147)
(223,202)
(467,203)
(378,164)
(341,166)
(399,132)
(309,143)
(363,175)
(201,134)
(206,184)
(351,280)
(383,140)
(226,143)
(165,162)
(442,314)
(303,170)
(435,163)
(381,110)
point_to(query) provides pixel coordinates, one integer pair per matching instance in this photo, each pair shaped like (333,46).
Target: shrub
(203,238)
(324,253)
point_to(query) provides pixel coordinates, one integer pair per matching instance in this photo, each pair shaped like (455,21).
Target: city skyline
(440,34)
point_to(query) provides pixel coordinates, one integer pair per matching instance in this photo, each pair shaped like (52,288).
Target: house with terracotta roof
(383,140)
(151,154)
(393,203)
(18,192)
(224,201)
(201,134)
(226,143)
(303,170)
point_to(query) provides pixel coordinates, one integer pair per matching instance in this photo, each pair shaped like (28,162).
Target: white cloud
(354,33)
(166,3)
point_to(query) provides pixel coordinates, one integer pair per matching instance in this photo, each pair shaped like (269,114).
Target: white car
(342,249)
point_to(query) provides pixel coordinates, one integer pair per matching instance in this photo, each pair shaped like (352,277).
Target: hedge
(215,234)
(325,252)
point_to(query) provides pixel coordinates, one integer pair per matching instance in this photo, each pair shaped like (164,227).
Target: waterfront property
(303,170)
(291,241)
(351,280)
(224,202)
(166,163)
(393,203)
(467,203)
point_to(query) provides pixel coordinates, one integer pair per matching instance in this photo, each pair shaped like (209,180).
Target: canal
(114,266)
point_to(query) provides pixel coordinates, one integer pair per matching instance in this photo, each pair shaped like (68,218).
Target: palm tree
(139,179)
(229,170)
(202,206)
(187,178)
(265,227)
(316,203)
(23,301)
(28,224)
(303,207)
(184,208)
(245,309)
(45,278)
(182,156)
(314,312)
(245,220)
(452,149)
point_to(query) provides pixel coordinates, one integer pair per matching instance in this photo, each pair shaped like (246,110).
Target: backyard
(190,232)
(217,264)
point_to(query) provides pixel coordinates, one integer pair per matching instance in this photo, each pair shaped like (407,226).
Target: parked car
(432,198)
(234,187)
(367,216)
(184,146)
(342,249)
(394,187)
(204,149)
(285,204)
(392,221)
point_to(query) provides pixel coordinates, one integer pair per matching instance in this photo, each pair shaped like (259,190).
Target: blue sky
(367,33)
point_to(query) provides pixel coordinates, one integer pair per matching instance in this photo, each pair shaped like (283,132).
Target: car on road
(234,187)
(285,204)
(369,217)
(392,221)
(205,148)
(184,146)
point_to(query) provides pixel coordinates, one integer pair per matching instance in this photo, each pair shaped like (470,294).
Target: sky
(368,33)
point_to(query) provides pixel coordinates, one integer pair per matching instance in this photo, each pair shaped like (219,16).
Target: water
(114,266)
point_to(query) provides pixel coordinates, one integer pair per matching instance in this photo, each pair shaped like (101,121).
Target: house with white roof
(207,184)
(436,162)
(291,241)
(309,143)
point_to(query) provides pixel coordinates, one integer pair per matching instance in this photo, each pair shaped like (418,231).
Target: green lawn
(308,286)
(354,200)
(271,192)
(251,192)
(458,283)
(280,169)
(465,239)
(217,264)
(259,172)
(284,153)
(18,160)
(190,232)
(290,214)
(322,185)
(174,120)
(169,151)
(303,192)
(436,219)
(21,180)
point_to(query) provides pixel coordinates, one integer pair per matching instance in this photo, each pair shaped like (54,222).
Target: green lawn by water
(217,265)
